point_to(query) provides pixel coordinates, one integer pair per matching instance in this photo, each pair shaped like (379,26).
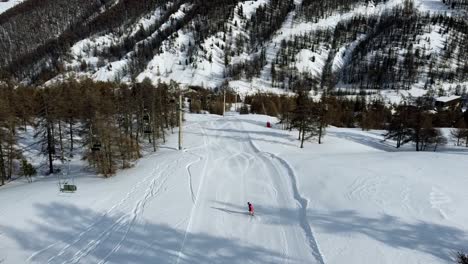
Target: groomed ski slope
(350,200)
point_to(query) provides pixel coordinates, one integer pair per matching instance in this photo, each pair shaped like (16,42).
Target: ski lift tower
(180,108)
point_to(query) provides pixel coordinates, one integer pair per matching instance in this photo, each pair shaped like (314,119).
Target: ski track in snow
(313,243)
(237,158)
(195,203)
(438,199)
(268,186)
(95,234)
(189,172)
(151,192)
(303,203)
(199,159)
(123,222)
(93,226)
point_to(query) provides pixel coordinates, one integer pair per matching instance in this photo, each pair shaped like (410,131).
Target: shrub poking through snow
(28,170)
(244,110)
(462,258)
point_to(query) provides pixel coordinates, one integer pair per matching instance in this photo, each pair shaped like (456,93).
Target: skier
(251,208)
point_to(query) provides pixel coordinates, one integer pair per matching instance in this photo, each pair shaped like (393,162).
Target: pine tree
(303,117)
(399,129)
(45,126)
(460,132)
(462,258)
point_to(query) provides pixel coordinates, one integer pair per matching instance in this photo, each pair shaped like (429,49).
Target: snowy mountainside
(268,45)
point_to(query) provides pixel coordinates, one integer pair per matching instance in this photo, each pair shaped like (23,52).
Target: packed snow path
(238,172)
(349,200)
(178,207)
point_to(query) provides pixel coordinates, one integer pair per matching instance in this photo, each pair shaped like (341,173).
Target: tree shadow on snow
(60,233)
(385,146)
(365,140)
(440,241)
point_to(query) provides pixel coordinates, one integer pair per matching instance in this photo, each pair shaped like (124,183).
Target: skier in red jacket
(251,208)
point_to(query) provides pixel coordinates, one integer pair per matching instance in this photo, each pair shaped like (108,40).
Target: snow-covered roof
(446,99)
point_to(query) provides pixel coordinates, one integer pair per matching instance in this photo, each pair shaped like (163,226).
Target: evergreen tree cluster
(409,122)
(392,51)
(32,52)
(107,123)
(395,53)
(457,4)
(314,10)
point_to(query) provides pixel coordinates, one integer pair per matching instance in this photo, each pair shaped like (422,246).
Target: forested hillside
(361,44)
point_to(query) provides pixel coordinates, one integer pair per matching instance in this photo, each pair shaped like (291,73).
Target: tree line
(106,123)
(412,121)
(311,10)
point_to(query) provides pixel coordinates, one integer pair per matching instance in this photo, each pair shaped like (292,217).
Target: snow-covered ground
(437,6)
(352,199)
(4,6)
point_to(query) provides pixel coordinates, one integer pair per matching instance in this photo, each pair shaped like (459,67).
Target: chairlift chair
(147,130)
(65,186)
(96,147)
(68,188)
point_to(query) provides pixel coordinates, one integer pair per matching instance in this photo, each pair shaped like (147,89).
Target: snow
(417,90)
(306,63)
(446,99)
(171,64)
(112,72)
(397,97)
(147,21)
(249,8)
(4,6)
(353,199)
(88,49)
(244,88)
(433,41)
(344,54)
(435,6)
